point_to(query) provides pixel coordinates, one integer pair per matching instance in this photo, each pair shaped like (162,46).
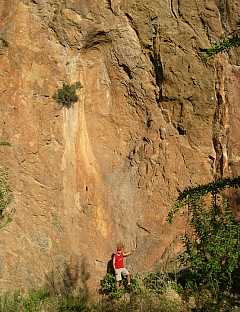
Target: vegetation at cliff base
(108,286)
(211,256)
(42,300)
(67,95)
(205,279)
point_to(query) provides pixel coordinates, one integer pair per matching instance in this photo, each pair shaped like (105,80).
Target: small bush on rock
(67,96)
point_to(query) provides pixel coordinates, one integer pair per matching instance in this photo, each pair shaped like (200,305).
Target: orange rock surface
(152,118)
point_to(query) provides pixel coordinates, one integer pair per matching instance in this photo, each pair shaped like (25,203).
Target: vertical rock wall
(151,119)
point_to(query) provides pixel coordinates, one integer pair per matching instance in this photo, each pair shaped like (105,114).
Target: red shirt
(119,260)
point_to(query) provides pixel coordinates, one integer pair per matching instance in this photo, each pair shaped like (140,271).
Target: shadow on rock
(110,269)
(67,278)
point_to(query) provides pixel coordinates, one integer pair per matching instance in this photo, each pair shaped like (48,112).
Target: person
(118,264)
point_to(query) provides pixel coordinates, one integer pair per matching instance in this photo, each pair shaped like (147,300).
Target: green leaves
(156,281)
(192,195)
(212,245)
(67,96)
(108,286)
(221,46)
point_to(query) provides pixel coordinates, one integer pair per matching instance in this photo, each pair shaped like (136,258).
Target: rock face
(152,118)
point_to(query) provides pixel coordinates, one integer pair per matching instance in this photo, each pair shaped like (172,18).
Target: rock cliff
(151,119)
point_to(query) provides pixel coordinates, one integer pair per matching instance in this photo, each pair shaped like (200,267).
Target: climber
(118,264)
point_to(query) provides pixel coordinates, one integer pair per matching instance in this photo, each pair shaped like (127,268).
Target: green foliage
(72,303)
(41,300)
(221,46)
(157,282)
(10,302)
(213,251)
(108,286)
(212,246)
(190,195)
(5,191)
(16,302)
(67,96)
(33,301)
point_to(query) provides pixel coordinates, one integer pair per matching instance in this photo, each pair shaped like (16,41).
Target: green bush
(220,47)
(72,303)
(67,96)
(108,286)
(212,246)
(155,281)
(158,282)
(42,300)
(10,302)
(32,302)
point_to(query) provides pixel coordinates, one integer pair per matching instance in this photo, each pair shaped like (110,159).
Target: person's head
(120,246)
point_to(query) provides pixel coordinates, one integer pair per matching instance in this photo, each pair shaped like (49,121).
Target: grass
(77,300)
(158,293)
(31,302)
(41,300)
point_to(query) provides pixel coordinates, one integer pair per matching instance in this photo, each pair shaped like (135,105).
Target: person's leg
(127,275)
(129,278)
(118,277)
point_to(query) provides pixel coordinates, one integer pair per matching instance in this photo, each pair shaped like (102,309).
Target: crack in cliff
(183,19)
(204,24)
(109,6)
(206,28)
(141,227)
(222,8)
(155,58)
(133,26)
(56,24)
(96,38)
(125,68)
(172,9)
(220,124)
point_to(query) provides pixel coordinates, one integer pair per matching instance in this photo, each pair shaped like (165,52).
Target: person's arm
(126,254)
(114,262)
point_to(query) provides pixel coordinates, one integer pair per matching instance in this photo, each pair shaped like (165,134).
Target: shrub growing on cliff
(212,247)
(221,46)
(67,96)
(4,143)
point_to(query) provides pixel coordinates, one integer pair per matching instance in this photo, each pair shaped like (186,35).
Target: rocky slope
(152,118)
